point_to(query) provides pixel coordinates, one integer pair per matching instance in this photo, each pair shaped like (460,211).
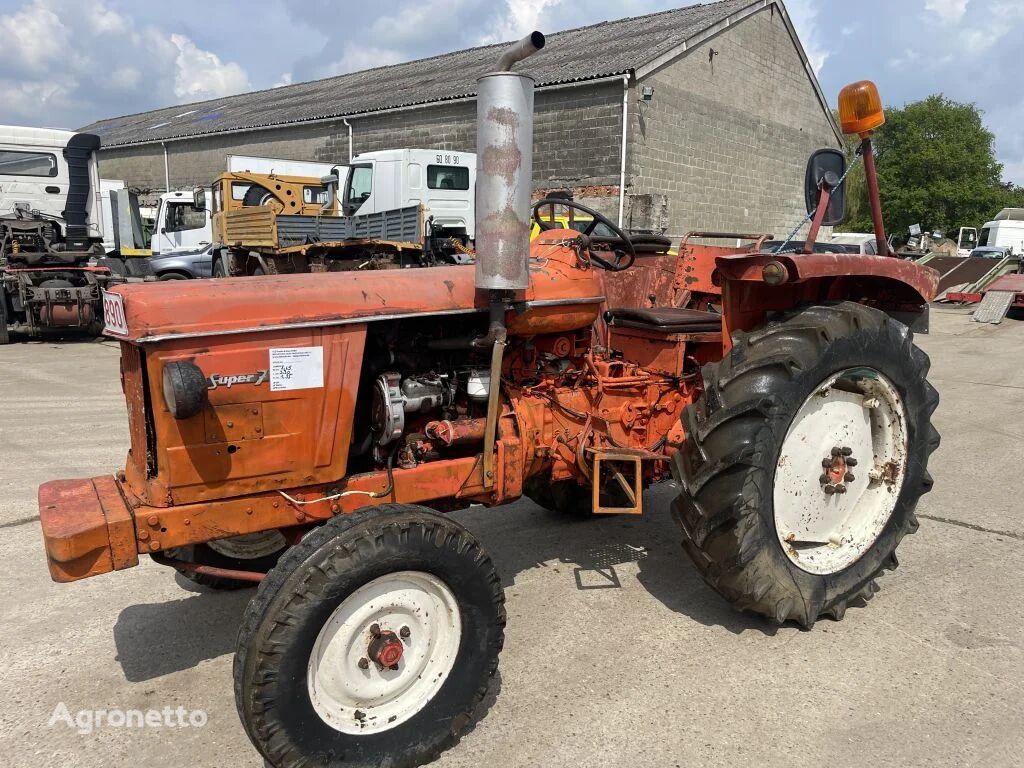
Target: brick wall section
(727,140)
(576,142)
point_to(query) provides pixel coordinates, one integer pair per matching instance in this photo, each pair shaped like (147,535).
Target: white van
(1005,230)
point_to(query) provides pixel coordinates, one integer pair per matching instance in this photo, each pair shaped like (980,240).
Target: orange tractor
(307,433)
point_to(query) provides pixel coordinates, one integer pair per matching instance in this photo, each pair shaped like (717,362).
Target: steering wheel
(623,258)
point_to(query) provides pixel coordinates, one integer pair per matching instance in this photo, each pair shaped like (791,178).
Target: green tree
(936,167)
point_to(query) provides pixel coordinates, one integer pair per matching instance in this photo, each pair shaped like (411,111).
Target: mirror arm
(824,197)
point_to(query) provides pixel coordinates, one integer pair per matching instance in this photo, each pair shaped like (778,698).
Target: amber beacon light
(860,108)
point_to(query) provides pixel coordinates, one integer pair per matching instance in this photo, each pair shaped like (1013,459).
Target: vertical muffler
(504,186)
(504,182)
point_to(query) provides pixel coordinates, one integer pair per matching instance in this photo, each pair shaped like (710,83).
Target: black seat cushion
(665,319)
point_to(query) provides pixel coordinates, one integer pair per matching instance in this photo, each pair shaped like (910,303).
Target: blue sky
(65,63)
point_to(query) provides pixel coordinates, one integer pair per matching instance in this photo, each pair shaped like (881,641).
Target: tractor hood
(179,309)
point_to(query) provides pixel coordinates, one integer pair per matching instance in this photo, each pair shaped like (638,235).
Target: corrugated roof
(587,53)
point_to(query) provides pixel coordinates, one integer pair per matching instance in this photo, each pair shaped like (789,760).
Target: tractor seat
(664,319)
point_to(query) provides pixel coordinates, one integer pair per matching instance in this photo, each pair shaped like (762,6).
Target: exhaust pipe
(504,187)
(528,46)
(504,183)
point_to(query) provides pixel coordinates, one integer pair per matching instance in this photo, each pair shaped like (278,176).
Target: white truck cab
(442,181)
(180,225)
(36,175)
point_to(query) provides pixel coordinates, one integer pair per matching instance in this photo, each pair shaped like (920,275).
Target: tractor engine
(567,399)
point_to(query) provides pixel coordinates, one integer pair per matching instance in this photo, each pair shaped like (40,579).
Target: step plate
(993,307)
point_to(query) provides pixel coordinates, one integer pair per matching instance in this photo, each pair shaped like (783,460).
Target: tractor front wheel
(371,643)
(805,459)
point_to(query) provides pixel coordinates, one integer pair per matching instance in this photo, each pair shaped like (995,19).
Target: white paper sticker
(296,368)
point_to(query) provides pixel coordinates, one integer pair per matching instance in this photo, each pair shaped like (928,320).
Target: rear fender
(900,288)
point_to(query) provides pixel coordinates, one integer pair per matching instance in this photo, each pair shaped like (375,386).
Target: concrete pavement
(616,653)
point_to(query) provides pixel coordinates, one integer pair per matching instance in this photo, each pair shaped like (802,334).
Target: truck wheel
(805,459)
(249,552)
(371,643)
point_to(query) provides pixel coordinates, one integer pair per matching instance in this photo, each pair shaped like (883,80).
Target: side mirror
(199,199)
(827,165)
(330,183)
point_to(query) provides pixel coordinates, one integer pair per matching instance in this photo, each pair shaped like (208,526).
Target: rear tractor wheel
(371,643)
(805,460)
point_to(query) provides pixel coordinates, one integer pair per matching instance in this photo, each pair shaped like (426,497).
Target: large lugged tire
(805,459)
(314,682)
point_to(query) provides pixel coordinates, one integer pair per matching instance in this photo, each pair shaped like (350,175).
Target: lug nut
(404,632)
(823,479)
(375,630)
(851,462)
(848,477)
(836,450)
(847,450)
(840,488)
(364,663)
(829,490)
(826,463)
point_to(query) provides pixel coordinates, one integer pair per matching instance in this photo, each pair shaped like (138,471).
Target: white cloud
(804,15)
(34,38)
(360,57)
(66,63)
(519,18)
(948,11)
(200,74)
(985,32)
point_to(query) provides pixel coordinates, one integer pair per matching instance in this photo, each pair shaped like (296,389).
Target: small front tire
(314,680)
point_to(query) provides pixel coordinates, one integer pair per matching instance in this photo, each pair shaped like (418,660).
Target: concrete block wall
(200,160)
(727,136)
(577,133)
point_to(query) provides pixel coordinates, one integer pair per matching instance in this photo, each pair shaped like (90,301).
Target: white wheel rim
(249,546)
(858,410)
(355,700)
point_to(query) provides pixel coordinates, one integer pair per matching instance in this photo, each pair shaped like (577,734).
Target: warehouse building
(697,118)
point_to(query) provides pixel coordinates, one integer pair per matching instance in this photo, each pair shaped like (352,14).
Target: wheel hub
(384,653)
(826,514)
(837,470)
(386,649)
